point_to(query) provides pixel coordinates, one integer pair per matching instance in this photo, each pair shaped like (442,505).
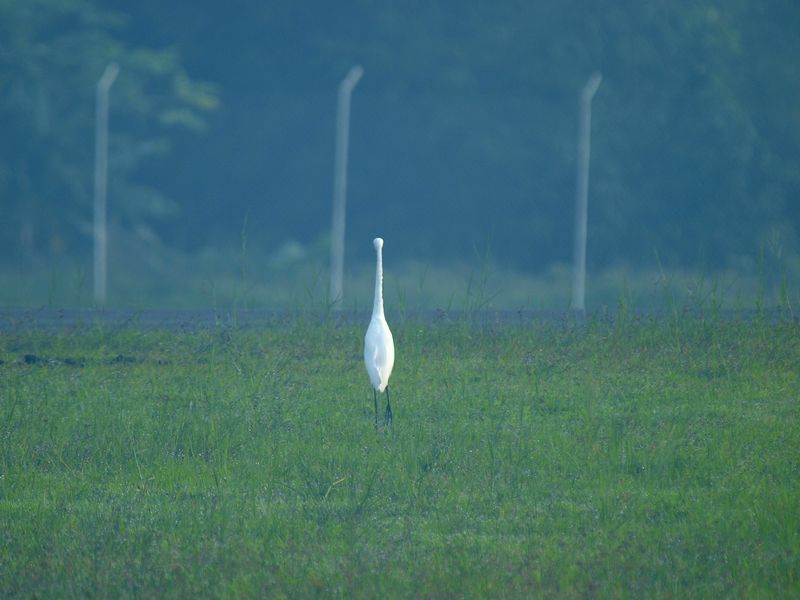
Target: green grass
(143,278)
(637,459)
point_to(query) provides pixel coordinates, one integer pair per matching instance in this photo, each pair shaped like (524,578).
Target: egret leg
(388,407)
(375,392)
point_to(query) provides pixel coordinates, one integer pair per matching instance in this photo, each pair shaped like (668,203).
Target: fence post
(340,183)
(101,181)
(582,193)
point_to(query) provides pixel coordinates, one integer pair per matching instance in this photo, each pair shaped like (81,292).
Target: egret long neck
(377,307)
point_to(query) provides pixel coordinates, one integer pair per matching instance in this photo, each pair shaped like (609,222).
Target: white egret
(378,343)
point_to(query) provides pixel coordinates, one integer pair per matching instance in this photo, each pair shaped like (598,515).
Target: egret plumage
(378,342)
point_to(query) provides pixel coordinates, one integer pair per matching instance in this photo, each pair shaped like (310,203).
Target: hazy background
(462,150)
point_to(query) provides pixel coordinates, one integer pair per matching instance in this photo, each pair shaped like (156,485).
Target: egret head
(378,243)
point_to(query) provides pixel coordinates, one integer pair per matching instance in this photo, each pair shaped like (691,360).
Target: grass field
(633,459)
(140,278)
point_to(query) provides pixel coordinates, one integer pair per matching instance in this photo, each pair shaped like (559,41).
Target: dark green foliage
(463,127)
(52,53)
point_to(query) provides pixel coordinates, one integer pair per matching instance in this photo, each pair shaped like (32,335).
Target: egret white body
(378,343)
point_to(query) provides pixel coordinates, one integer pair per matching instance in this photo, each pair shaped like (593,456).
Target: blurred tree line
(462,133)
